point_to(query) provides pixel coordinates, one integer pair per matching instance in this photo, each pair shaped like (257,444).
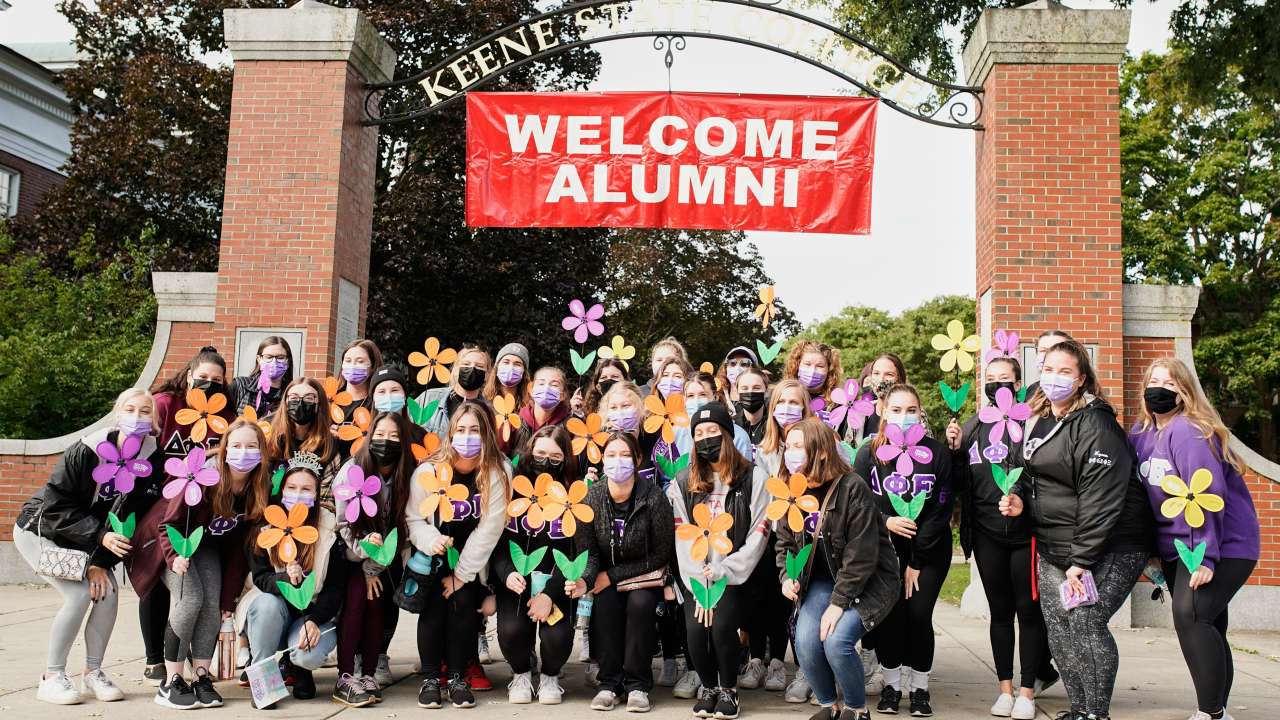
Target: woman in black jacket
(630,539)
(1092,523)
(901,464)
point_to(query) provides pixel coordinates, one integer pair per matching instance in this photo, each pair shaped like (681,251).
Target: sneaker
(476,678)
(798,691)
(154,674)
(549,690)
(638,702)
(350,691)
(705,707)
(1024,709)
(242,658)
(520,690)
(920,704)
(752,677)
(604,700)
(371,686)
(460,691)
(727,704)
(483,649)
(206,695)
(429,694)
(1042,685)
(890,699)
(383,672)
(286,670)
(686,687)
(826,713)
(847,714)
(98,683)
(592,674)
(1003,706)
(874,684)
(58,690)
(670,673)
(244,678)
(775,676)
(176,695)
(304,684)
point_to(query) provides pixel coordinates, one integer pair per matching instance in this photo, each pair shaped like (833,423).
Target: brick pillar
(1048,177)
(297,213)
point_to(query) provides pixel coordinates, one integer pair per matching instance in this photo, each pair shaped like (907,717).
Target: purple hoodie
(1180,449)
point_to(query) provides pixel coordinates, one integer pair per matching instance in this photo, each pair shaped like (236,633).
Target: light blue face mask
(693,405)
(903,421)
(389,403)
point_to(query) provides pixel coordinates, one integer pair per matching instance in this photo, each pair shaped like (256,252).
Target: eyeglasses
(739,362)
(274,357)
(306,398)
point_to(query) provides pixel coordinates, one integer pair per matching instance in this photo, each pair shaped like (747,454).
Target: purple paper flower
(583,321)
(1006,346)
(846,402)
(189,474)
(905,447)
(358,492)
(120,465)
(1006,414)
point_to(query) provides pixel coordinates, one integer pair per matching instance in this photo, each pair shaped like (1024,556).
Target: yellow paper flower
(706,533)
(959,349)
(1193,500)
(620,350)
(765,310)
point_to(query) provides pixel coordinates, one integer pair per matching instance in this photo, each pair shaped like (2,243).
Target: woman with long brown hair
(263,388)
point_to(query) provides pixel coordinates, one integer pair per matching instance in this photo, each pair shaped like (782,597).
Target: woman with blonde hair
(470,373)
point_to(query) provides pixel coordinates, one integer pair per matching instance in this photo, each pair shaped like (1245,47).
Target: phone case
(1071,600)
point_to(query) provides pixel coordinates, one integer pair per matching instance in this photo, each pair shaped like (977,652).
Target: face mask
(209,387)
(670,386)
(244,459)
(355,374)
(751,401)
(811,377)
(787,414)
(624,419)
(794,459)
(881,387)
(133,425)
(604,386)
(546,396)
(389,403)
(990,390)
(510,375)
(273,369)
(1056,387)
(546,465)
(733,373)
(619,469)
(468,446)
(384,451)
(693,405)
(708,449)
(1160,400)
(903,421)
(302,412)
(471,378)
(289,499)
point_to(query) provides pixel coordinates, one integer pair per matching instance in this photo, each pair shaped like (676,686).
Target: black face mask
(990,390)
(384,451)
(209,387)
(751,401)
(471,378)
(708,449)
(604,386)
(302,412)
(1160,400)
(540,465)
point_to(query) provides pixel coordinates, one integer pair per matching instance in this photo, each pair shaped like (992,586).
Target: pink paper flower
(905,447)
(1006,415)
(120,465)
(583,321)
(1006,346)
(358,492)
(189,474)
(846,402)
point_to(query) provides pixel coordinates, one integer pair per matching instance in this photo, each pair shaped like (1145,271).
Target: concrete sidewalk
(1153,682)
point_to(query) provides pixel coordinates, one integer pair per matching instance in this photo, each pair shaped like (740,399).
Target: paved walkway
(1153,682)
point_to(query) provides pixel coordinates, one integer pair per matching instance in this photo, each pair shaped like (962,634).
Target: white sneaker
(1023,709)
(593,674)
(1003,706)
(382,675)
(242,658)
(798,691)
(485,657)
(670,673)
(604,700)
(638,702)
(687,686)
(549,690)
(58,690)
(520,690)
(753,675)
(775,678)
(874,684)
(100,685)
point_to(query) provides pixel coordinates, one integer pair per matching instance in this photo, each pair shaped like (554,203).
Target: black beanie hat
(388,373)
(713,412)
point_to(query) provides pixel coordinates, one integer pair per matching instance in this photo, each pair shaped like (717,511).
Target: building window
(9,180)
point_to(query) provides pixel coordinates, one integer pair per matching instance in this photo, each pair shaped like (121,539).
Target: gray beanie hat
(516,349)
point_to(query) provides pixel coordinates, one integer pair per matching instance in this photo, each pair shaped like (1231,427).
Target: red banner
(670,160)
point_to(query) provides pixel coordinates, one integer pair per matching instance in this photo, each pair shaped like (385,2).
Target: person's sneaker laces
(176,694)
(890,700)
(206,695)
(775,676)
(58,690)
(371,686)
(727,704)
(753,675)
(383,672)
(638,702)
(350,691)
(705,706)
(483,649)
(429,693)
(687,686)
(798,691)
(549,690)
(100,684)
(520,689)
(460,691)
(920,703)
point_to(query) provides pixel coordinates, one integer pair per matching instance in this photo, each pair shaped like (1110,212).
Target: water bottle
(584,611)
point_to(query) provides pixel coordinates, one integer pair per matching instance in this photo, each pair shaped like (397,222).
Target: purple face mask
(273,369)
(355,374)
(794,460)
(510,375)
(133,425)
(546,396)
(619,469)
(670,386)
(624,419)
(811,377)
(289,499)
(733,372)
(468,446)
(787,414)
(1056,387)
(244,459)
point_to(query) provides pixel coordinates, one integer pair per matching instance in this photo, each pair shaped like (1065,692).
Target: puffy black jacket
(976,488)
(647,541)
(1083,492)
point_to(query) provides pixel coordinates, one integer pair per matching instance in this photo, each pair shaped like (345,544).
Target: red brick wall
(36,181)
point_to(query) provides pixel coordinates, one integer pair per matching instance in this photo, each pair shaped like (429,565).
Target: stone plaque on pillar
(348,320)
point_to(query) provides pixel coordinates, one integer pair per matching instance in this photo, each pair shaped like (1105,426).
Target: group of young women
(723,516)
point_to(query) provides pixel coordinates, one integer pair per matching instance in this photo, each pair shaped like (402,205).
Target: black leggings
(1200,618)
(622,638)
(715,651)
(767,612)
(906,635)
(153,616)
(447,628)
(671,629)
(517,633)
(390,611)
(1006,579)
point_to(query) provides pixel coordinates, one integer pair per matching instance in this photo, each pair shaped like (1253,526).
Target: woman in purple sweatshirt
(1206,525)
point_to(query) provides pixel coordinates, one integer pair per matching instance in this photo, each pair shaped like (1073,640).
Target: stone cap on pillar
(1044,32)
(309,30)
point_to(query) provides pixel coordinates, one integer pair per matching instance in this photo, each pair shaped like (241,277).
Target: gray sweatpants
(75,604)
(194,615)
(1081,642)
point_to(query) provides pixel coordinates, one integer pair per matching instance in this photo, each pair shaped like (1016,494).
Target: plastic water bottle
(584,611)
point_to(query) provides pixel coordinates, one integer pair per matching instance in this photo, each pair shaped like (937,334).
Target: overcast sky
(922,239)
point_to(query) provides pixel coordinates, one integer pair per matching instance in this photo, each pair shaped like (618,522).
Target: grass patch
(957,580)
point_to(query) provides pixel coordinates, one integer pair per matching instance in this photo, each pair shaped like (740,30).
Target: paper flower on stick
(665,417)
(1191,558)
(706,533)
(433,361)
(508,419)
(337,400)
(1190,501)
(120,465)
(358,492)
(620,350)
(789,500)
(190,476)
(251,415)
(1006,346)
(354,431)
(905,446)
(847,402)
(583,322)
(766,310)
(1004,415)
(201,414)
(531,498)
(441,492)
(425,449)
(575,510)
(285,530)
(264,382)
(959,350)
(571,569)
(588,435)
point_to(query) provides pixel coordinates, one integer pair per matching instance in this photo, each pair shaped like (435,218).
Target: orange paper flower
(337,400)
(790,500)
(202,414)
(765,310)
(588,435)
(425,449)
(355,431)
(434,361)
(706,533)
(508,419)
(531,498)
(251,415)
(441,492)
(285,531)
(665,417)
(567,506)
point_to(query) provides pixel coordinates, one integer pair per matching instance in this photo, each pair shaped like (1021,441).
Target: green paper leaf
(184,546)
(419,414)
(954,399)
(572,570)
(125,528)
(768,353)
(849,450)
(515,460)
(899,505)
(1190,558)
(916,506)
(1004,480)
(716,592)
(671,468)
(581,364)
(796,563)
(451,554)
(384,554)
(1022,394)
(518,557)
(277,477)
(299,597)
(699,591)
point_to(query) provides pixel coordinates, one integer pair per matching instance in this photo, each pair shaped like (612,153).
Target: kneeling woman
(718,482)
(849,581)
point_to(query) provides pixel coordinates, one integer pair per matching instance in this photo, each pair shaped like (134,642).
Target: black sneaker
(460,691)
(890,698)
(176,695)
(727,704)
(206,695)
(371,687)
(705,707)
(920,704)
(153,674)
(849,714)
(429,693)
(304,684)
(244,678)
(825,713)
(350,692)
(286,670)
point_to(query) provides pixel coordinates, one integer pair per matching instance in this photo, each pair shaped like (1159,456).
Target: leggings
(194,615)
(1081,641)
(517,634)
(75,604)
(391,580)
(447,628)
(360,624)
(766,616)
(153,617)
(715,651)
(622,638)
(1006,579)
(671,629)
(906,635)
(1200,618)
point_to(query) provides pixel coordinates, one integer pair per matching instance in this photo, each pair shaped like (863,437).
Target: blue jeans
(271,627)
(833,661)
